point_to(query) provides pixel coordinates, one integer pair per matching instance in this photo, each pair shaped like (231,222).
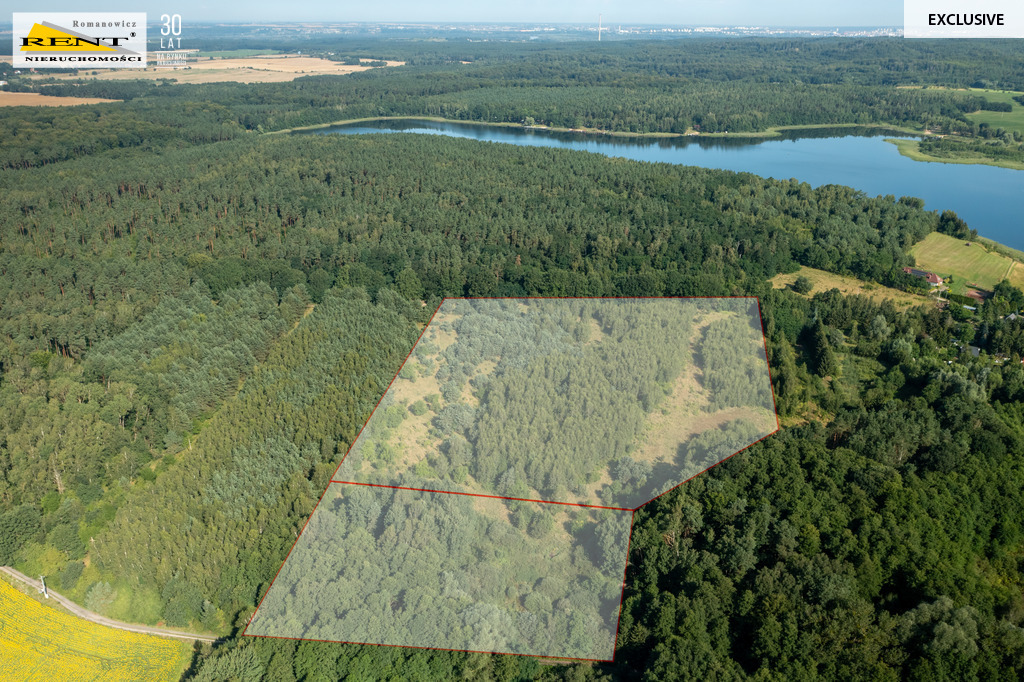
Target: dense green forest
(999,145)
(553,399)
(661,86)
(436,570)
(197,319)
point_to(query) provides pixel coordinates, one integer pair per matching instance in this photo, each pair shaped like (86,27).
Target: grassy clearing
(974,264)
(39,642)
(1003,249)
(1010,120)
(826,281)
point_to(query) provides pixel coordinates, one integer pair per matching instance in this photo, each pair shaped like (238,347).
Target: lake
(988,198)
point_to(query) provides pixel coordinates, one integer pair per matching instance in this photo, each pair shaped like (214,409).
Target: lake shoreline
(853,156)
(907,148)
(775,131)
(911,150)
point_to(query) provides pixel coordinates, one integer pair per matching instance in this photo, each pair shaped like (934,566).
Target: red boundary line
(775,409)
(771,386)
(435,648)
(328,487)
(622,592)
(704,471)
(381,399)
(493,497)
(446,492)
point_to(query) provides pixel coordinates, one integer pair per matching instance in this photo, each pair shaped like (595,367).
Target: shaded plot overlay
(487,503)
(605,402)
(425,569)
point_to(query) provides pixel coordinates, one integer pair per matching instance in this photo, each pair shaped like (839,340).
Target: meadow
(826,281)
(973,264)
(1011,120)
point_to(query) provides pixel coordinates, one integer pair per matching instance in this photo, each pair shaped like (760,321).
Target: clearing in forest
(486,505)
(968,261)
(544,398)
(822,280)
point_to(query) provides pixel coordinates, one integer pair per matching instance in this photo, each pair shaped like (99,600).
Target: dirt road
(101,620)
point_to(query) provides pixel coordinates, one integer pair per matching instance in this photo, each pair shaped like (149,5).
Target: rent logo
(69,40)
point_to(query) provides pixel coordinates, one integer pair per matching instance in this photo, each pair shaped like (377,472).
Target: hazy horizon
(786,14)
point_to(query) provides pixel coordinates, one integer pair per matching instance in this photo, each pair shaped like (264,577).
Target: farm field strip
(255,69)
(38,642)
(34,99)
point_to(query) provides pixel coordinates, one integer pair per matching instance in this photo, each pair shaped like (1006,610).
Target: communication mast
(599,27)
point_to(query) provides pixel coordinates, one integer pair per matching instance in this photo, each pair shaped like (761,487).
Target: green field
(973,264)
(1011,120)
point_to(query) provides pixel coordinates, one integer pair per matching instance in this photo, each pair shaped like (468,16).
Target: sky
(626,12)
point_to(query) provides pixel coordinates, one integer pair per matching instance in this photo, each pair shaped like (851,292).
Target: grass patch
(974,264)
(826,281)
(1010,120)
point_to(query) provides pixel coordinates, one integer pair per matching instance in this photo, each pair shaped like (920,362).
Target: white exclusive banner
(963,19)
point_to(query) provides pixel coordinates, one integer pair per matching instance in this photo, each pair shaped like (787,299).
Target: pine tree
(825,363)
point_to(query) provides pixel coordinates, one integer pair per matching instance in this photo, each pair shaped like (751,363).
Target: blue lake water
(988,198)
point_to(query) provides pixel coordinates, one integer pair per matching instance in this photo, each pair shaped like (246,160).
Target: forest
(413,568)
(197,319)
(708,85)
(555,400)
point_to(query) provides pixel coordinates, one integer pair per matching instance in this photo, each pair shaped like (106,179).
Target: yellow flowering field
(42,643)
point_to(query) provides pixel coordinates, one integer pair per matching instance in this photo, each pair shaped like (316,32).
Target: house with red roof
(929,277)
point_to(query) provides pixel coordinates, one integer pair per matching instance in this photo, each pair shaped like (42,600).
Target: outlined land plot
(602,402)
(486,505)
(389,566)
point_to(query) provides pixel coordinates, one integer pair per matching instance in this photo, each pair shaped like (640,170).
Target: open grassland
(254,69)
(34,99)
(973,264)
(826,281)
(1010,120)
(38,642)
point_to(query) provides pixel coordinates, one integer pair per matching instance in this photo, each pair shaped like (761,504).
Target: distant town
(610,30)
